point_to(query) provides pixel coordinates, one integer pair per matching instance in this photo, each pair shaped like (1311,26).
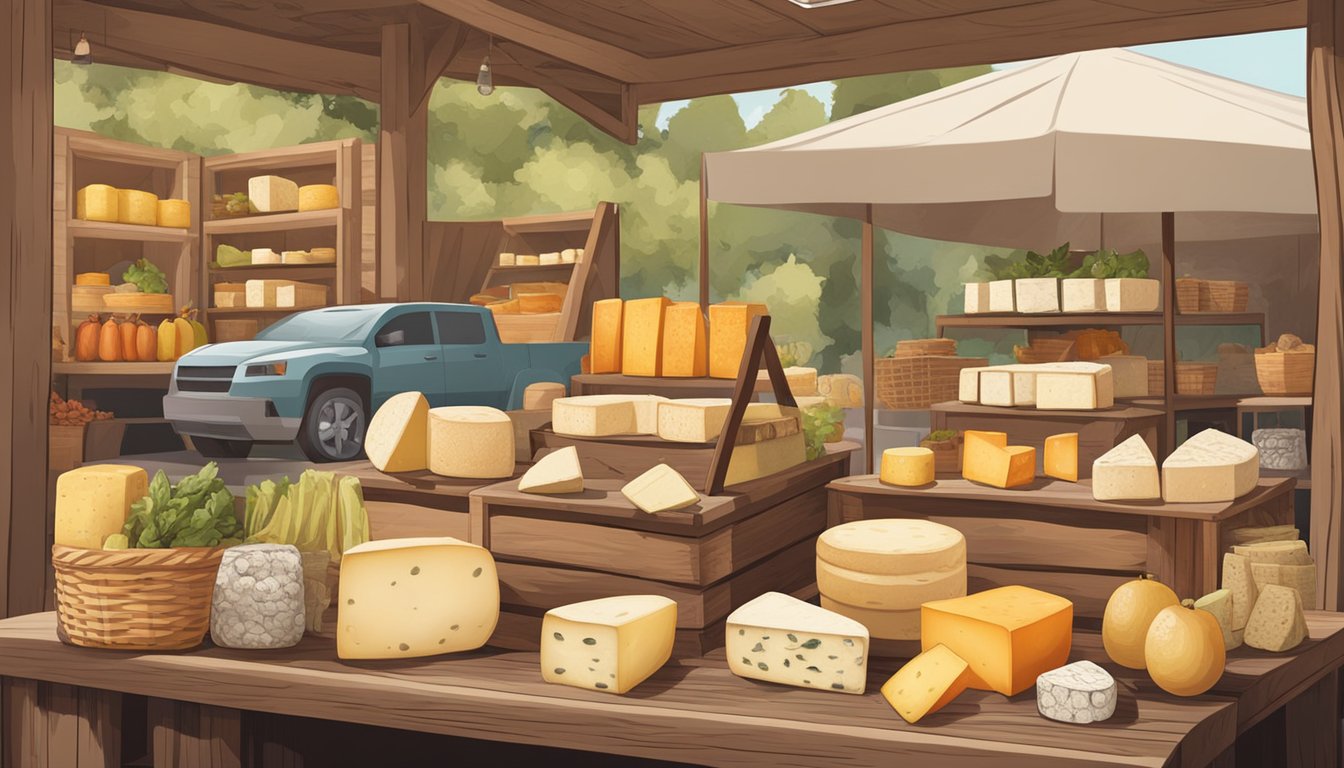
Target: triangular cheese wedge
(1127,471)
(556,472)
(1211,466)
(781,639)
(398,437)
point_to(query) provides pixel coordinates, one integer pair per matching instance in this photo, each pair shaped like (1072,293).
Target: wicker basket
(916,347)
(1045,351)
(946,455)
(1223,296)
(236,329)
(1285,373)
(1156,385)
(1196,378)
(920,381)
(1188,290)
(134,599)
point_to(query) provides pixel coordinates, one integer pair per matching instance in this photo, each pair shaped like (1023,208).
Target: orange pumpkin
(109,342)
(86,340)
(127,331)
(146,341)
(1184,650)
(1129,612)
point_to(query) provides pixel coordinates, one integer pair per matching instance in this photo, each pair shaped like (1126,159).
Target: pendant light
(485,81)
(83,53)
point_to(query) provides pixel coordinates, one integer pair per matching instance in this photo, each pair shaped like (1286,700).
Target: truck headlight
(268,369)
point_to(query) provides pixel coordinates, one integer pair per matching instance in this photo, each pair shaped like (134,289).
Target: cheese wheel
(907,466)
(470,441)
(174,213)
(887,625)
(889,593)
(137,207)
(397,437)
(93,278)
(318,197)
(892,546)
(541,395)
(97,202)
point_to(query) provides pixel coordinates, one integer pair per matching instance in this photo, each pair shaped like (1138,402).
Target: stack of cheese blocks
(987,458)
(1211,466)
(277,194)
(879,572)
(1269,580)
(406,435)
(566,256)
(1045,386)
(101,202)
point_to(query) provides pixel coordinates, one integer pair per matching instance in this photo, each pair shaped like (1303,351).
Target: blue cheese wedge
(1081,692)
(780,639)
(611,644)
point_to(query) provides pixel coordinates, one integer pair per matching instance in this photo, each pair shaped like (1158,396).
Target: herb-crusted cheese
(1081,692)
(611,644)
(783,640)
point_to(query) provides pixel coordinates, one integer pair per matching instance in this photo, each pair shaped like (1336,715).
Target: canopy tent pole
(1169,333)
(866,289)
(704,234)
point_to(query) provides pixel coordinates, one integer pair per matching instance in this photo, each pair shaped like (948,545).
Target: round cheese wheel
(318,197)
(174,213)
(539,396)
(137,207)
(885,625)
(910,467)
(892,547)
(93,278)
(470,441)
(889,593)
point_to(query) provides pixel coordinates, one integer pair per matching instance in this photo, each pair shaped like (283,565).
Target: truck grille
(205,378)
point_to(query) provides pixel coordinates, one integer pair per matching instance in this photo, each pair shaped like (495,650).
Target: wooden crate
(1223,296)
(1196,378)
(65,447)
(526,329)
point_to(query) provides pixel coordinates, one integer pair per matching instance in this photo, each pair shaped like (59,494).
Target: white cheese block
(1299,577)
(968,385)
(1292,552)
(1001,296)
(1074,386)
(977,298)
(569,256)
(258,597)
(1211,466)
(780,639)
(265,256)
(889,593)
(593,415)
(547,259)
(507,259)
(1083,294)
(556,472)
(765,458)
(261,293)
(1130,373)
(996,387)
(1131,294)
(273,194)
(1219,603)
(660,489)
(611,644)
(892,546)
(398,436)
(1281,448)
(405,598)
(1038,294)
(693,420)
(470,441)
(1127,471)
(1081,692)
(1277,623)
(1237,579)
(887,625)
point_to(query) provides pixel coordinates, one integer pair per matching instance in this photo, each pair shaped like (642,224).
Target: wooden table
(63,706)
(1054,536)
(620,384)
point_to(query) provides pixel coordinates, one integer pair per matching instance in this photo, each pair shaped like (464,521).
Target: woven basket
(134,599)
(946,455)
(920,381)
(1156,384)
(1285,373)
(1223,296)
(1188,290)
(1196,378)
(917,347)
(1045,351)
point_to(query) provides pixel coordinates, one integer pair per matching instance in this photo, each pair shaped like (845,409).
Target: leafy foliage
(197,512)
(1107,263)
(147,277)
(1031,264)
(820,422)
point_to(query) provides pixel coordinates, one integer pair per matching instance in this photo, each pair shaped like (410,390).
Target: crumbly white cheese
(258,598)
(1081,692)
(1284,449)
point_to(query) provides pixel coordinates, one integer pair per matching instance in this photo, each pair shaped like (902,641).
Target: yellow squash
(167,347)
(186,336)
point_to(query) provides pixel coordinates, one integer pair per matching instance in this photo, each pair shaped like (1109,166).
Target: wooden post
(760,351)
(1168,443)
(1325,36)
(25,300)
(704,234)
(866,289)
(402,151)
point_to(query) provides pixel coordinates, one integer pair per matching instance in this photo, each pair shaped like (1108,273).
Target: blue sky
(1274,60)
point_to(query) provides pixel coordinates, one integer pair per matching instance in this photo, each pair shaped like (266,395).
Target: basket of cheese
(921,372)
(1286,367)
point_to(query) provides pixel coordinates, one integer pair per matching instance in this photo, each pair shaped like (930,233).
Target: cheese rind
(1238,580)
(780,639)
(1127,471)
(910,467)
(1278,552)
(661,489)
(608,321)
(1081,692)
(556,472)
(693,420)
(977,298)
(174,213)
(398,436)
(1277,623)
(927,683)
(406,598)
(610,644)
(273,194)
(685,340)
(889,593)
(92,502)
(1061,456)
(892,546)
(729,323)
(1299,577)
(1219,603)
(318,197)
(1210,466)
(888,625)
(97,202)
(137,207)
(642,337)
(1010,635)
(470,441)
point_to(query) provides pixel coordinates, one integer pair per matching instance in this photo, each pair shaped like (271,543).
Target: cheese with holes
(1002,467)
(398,435)
(610,644)
(887,625)
(1238,580)
(1277,623)
(1299,577)
(729,323)
(174,213)
(1127,471)
(1074,386)
(1010,635)
(907,466)
(765,457)
(642,337)
(892,546)
(608,317)
(1081,692)
(97,202)
(1293,552)
(1061,456)
(968,385)
(977,298)
(889,593)
(661,489)
(92,502)
(1130,374)
(1038,294)
(780,639)
(470,441)
(406,598)
(1211,466)
(318,197)
(1219,603)
(273,194)
(593,415)
(135,206)
(556,472)
(685,340)
(927,683)
(1001,296)
(1082,294)
(693,420)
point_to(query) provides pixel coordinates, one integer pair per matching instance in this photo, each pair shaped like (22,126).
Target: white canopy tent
(1094,148)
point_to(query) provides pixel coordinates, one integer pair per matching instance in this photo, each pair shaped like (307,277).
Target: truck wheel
(333,426)
(215,448)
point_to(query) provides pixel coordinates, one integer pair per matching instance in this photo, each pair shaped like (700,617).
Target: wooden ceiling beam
(528,67)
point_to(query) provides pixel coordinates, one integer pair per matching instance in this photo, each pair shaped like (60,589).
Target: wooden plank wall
(25,299)
(457,256)
(368,231)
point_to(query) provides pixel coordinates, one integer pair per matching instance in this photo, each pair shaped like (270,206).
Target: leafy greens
(197,512)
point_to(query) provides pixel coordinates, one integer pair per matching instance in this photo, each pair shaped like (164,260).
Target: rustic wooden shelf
(570,221)
(262,310)
(105,230)
(279,271)
(1078,320)
(274,222)
(1273,402)
(1302,476)
(112,369)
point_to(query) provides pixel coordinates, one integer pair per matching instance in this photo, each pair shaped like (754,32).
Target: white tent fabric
(1034,156)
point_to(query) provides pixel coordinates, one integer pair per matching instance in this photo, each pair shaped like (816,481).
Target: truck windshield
(331,325)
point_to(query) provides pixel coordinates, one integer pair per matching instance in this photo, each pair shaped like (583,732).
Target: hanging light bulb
(485,81)
(83,53)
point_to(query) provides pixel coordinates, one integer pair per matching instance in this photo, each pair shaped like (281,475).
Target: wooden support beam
(402,176)
(867,288)
(620,118)
(704,234)
(1168,443)
(438,43)
(25,300)
(1325,105)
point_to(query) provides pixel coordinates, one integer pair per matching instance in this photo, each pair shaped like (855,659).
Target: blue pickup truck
(318,376)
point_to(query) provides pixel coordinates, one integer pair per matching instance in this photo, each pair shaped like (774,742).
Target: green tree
(860,94)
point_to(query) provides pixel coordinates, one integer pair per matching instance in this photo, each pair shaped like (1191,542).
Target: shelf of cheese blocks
(1100,319)
(273,222)
(1053,535)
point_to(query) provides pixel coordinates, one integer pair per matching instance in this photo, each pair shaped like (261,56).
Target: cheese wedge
(1081,692)
(1130,373)
(273,194)
(1299,577)
(1277,623)
(661,489)
(927,683)
(999,439)
(92,502)
(887,625)
(780,639)
(611,644)
(693,420)
(685,340)
(1211,466)
(1010,635)
(889,593)
(909,467)
(1278,552)
(1007,467)
(1219,603)
(1074,386)
(1061,456)
(892,546)
(470,441)
(398,436)
(556,472)
(1238,580)
(642,339)
(729,323)
(1127,471)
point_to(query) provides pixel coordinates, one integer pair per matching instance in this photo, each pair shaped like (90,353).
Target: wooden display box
(1052,535)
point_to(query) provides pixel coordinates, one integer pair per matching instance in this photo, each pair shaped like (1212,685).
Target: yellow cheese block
(527,260)
(1238,580)
(398,434)
(660,489)
(765,458)
(1299,577)
(1009,635)
(610,644)
(1007,467)
(907,466)
(93,278)
(999,439)
(693,420)
(318,197)
(887,625)
(97,202)
(92,502)
(538,303)
(137,207)
(1292,552)
(470,441)
(1276,624)
(642,339)
(1061,456)
(606,345)
(685,340)
(728,326)
(174,213)
(927,683)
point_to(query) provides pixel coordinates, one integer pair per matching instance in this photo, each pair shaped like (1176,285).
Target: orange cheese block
(999,439)
(538,303)
(729,323)
(685,346)
(93,278)
(983,461)
(1009,635)
(642,337)
(927,683)
(1061,456)
(606,344)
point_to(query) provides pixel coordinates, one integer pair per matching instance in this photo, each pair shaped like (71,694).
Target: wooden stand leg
(1312,725)
(50,724)
(189,735)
